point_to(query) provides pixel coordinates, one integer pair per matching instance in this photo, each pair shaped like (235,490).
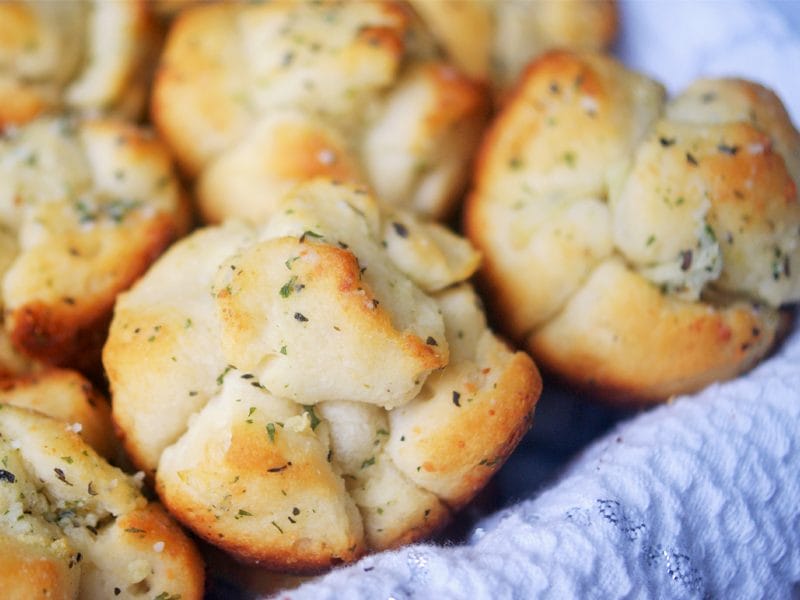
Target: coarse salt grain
(326,156)
(158,546)
(589,104)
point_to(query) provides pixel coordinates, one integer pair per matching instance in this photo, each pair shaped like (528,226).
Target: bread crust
(68,396)
(661,230)
(27,572)
(596,344)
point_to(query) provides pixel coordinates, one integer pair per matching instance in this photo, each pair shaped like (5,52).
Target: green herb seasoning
(288,287)
(315,420)
(221,376)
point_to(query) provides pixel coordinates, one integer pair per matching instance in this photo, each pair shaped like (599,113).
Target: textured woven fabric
(696,499)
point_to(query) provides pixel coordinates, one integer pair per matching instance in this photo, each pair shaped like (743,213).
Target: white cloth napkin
(696,499)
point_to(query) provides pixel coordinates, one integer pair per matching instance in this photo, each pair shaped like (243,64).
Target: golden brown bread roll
(72,526)
(493,40)
(67,396)
(332,384)
(254,98)
(638,248)
(81,56)
(85,207)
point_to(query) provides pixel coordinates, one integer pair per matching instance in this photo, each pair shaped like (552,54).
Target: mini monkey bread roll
(317,386)
(493,40)
(69,397)
(85,207)
(638,248)
(84,56)
(254,98)
(72,526)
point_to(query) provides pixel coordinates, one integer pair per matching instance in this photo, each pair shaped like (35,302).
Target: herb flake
(288,287)
(221,376)
(315,420)
(308,233)
(61,477)
(400,229)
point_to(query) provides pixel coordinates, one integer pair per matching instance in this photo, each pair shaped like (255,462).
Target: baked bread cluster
(254,98)
(85,207)
(72,526)
(80,56)
(331,383)
(493,40)
(638,248)
(69,397)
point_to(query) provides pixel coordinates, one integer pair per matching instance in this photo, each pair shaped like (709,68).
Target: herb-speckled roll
(318,386)
(72,526)
(68,396)
(86,56)
(638,248)
(85,207)
(493,40)
(254,98)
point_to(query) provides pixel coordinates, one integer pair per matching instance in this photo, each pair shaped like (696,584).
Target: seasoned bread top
(85,207)
(254,98)
(67,396)
(592,192)
(332,386)
(83,56)
(493,40)
(78,526)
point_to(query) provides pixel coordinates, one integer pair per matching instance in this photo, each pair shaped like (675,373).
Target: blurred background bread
(85,207)
(80,56)
(638,248)
(253,98)
(493,40)
(332,385)
(72,526)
